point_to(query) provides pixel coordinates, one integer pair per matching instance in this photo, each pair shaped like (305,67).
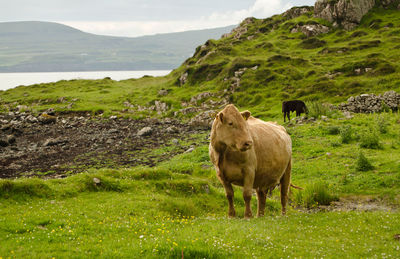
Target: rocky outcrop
(297,11)
(310,30)
(240,30)
(367,103)
(203,119)
(345,13)
(183,78)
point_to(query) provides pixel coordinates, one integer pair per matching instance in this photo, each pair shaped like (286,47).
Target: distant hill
(45,46)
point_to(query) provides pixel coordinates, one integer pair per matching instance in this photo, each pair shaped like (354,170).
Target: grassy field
(179,206)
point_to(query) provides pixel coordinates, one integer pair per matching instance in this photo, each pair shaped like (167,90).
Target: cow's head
(231,128)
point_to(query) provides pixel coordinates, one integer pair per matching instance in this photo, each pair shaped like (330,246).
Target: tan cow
(251,153)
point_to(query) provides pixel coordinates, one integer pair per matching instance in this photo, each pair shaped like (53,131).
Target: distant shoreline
(15,79)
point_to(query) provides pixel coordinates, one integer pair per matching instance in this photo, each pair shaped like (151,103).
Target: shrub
(358,34)
(316,194)
(363,164)
(205,72)
(317,109)
(24,188)
(312,43)
(346,134)
(385,69)
(239,63)
(382,124)
(333,130)
(370,139)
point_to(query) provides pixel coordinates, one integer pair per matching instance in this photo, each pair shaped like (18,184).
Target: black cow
(290,106)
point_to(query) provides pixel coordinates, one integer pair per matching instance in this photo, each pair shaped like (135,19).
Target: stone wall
(367,103)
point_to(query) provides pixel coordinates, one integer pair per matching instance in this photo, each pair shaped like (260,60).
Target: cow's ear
(221,116)
(246,114)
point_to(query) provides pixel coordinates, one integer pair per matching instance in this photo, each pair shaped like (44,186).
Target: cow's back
(273,149)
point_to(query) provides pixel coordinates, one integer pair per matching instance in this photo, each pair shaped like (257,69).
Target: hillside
(45,46)
(286,64)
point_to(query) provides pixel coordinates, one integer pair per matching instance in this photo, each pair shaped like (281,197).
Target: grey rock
(297,11)
(203,119)
(188,110)
(189,150)
(30,118)
(54,142)
(146,131)
(113,131)
(345,13)
(172,129)
(160,107)
(46,118)
(163,92)
(183,78)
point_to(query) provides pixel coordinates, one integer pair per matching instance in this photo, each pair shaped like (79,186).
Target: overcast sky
(142,17)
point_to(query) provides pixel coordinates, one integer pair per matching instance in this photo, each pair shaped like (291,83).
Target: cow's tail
(296,187)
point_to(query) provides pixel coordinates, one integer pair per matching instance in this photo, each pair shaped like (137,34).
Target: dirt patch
(55,146)
(355,203)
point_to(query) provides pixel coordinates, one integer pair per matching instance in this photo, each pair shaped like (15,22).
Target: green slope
(45,46)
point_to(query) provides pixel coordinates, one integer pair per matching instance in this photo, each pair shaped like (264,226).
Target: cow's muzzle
(246,145)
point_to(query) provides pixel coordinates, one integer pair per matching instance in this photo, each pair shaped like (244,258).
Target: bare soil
(57,146)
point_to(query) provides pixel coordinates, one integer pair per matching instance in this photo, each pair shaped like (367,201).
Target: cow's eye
(230,123)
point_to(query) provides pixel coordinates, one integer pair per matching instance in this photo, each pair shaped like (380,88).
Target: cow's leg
(228,191)
(288,115)
(247,192)
(284,117)
(229,195)
(261,197)
(285,185)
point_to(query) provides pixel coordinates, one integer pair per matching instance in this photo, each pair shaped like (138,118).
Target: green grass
(180,206)
(111,225)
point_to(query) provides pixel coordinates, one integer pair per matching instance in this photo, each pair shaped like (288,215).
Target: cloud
(259,9)
(140,28)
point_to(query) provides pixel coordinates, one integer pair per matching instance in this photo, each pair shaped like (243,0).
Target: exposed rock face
(367,103)
(183,78)
(203,119)
(311,30)
(240,30)
(345,13)
(297,11)
(390,3)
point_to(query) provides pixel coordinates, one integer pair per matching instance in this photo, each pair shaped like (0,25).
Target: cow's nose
(247,145)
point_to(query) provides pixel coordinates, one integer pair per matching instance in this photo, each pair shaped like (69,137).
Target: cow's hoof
(248,216)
